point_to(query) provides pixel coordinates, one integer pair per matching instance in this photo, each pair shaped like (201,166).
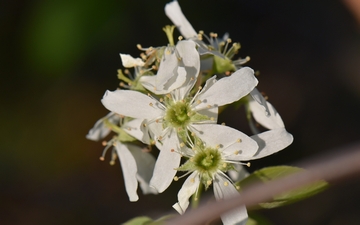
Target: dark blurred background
(59,57)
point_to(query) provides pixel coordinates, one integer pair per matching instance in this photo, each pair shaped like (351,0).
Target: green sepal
(187,166)
(125,137)
(272,173)
(197,117)
(222,65)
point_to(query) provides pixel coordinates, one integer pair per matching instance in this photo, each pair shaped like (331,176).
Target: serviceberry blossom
(170,118)
(212,154)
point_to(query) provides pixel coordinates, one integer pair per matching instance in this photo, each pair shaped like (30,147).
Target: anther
(104,143)
(248,164)
(180,38)
(224,165)
(208,182)
(102,158)
(176,178)
(223,124)
(182,144)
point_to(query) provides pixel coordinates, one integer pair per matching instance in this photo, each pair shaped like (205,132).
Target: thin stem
(195,199)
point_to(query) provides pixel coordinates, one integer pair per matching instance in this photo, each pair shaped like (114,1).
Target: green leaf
(163,219)
(272,173)
(141,220)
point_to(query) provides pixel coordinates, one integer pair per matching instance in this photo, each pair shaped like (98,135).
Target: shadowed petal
(166,164)
(129,168)
(271,142)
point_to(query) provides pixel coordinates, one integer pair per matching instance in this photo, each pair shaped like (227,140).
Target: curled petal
(166,164)
(128,61)
(224,190)
(132,103)
(228,89)
(189,187)
(271,142)
(263,112)
(173,11)
(100,130)
(129,168)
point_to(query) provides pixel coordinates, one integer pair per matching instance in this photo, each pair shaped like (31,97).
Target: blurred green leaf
(141,220)
(272,173)
(144,220)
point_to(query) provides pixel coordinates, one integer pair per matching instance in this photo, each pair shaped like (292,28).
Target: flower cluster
(172,101)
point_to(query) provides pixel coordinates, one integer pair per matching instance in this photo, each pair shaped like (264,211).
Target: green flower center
(178,114)
(208,161)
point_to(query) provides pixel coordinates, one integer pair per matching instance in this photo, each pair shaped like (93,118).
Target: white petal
(234,144)
(222,191)
(137,129)
(173,11)
(128,166)
(263,112)
(228,89)
(176,81)
(100,130)
(128,61)
(272,141)
(239,173)
(145,166)
(166,164)
(132,103)
(189,187)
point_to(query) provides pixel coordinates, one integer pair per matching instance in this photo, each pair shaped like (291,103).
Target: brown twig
(332,167)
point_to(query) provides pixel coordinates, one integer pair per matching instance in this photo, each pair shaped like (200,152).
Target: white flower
(220,48)
(137,165)
(276,138)
(213,154)
(170,118)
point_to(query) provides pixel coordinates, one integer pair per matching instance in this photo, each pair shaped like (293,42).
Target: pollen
(238,140)
(224,165)
(192,180)
(208,106)
(198,101)
(223,124)
(226,183)
(172,150)
(208,182)
(182,144)
(151,104)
